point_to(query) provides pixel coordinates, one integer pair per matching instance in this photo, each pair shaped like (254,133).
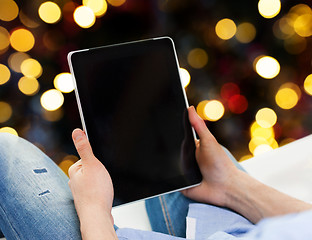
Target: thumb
(199,125)
(82,145)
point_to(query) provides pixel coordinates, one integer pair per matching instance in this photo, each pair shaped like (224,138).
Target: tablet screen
(135,113)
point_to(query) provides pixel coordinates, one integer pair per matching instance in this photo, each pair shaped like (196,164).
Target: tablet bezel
(81,110)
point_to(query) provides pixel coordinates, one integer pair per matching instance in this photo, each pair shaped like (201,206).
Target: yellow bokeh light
(116,3)
(99,7)
(15,60)
(49,12)
(52,100)
(303,25)
(27,21)
(286,98)
(267,67)
(8,10)
(64,82)
(266,117)
(4,38)
(262,148)
(225,29)
(292,86)
(246,32)
(200,108)
(300,9)
(28,85)
(84,17)
(197,58)
(185,77)
(269,8)
(266,133)
(5,112)
(31,68)
(22,40)
(255,142)
(308,84)
(67,162)
(9,130)
(213,110)
(5,74)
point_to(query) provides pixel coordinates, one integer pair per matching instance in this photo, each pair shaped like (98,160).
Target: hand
(216,167)
(92,190)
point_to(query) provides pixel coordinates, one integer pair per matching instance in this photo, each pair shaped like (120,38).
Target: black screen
(136,117)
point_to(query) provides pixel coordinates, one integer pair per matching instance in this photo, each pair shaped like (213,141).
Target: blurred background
(245,65)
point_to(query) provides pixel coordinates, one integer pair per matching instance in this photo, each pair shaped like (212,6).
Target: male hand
(216,167)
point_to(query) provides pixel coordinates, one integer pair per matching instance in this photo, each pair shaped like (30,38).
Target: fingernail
(78,134)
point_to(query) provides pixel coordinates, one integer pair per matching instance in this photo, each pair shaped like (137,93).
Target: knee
(8,145)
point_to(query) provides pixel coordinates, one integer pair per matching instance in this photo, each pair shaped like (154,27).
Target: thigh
(35,200)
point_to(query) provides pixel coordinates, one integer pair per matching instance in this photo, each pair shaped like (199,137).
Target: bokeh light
(28,85)
(22,40)
(67,162)
(16,59)
(116,3)
(52,99)
(267,67)
(185,77)
(9,130)
(286,98)
(269,8)
(266,117)
(257,131)
(303,25)
(5,74)
(225,29)
(84,17)
(200,108)
(246,32)
(262,148)
(197,58)
(31,68)
(99,7)
(213,110)
(49,12)
(8,10)
(27,21)
(4,38)
(228,90)
(5,112)
(238,104)
(64,82)
(308,84)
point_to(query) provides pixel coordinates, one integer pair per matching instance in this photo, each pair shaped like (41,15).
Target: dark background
(191,24)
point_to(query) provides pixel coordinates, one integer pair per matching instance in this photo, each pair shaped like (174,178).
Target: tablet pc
(134,111)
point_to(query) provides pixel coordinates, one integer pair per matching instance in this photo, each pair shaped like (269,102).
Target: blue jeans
(36,202)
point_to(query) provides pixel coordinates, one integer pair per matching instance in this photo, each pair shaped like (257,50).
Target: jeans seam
(166,215)
(9,223)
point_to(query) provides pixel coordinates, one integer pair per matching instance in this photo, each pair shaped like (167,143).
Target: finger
(199,125)
(74,168)
(83,146)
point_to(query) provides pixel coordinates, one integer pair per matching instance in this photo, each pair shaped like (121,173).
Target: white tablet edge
(84,125)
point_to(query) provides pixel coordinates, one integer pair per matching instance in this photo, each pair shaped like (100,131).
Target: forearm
(255,200)
(97,225)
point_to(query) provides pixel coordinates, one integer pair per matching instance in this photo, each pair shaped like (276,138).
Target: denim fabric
(35,200)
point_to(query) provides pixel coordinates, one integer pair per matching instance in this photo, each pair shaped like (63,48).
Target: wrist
(96,223)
